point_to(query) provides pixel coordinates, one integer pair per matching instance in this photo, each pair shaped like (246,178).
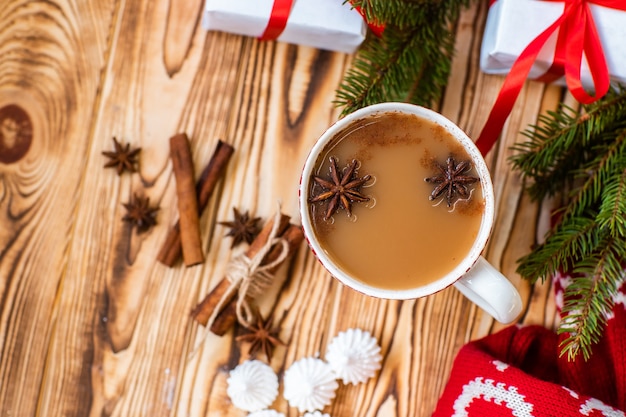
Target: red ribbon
(281,9)
(577,35)
(278,20)
(376,28)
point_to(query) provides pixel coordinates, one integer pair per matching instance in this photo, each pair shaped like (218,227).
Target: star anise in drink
(262,337)
(123,158)
(341,189)
(242,228)
(139,213)
(452,180)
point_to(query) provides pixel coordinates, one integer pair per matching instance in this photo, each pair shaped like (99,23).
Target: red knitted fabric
(518,372)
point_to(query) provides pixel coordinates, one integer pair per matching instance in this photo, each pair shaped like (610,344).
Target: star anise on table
(242,228)
(342,188)
(123,158)
(139,213)
(452,181)
(262,337)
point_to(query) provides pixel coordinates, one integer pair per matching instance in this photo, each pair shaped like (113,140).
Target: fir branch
(605,163)
(584,157)
(410,62)
(557,143)
(405,13)
(554,135)
(612,214)
(589,299)
(553,149)
(574,239)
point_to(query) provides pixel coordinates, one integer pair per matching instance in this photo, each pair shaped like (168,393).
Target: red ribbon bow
(577,35)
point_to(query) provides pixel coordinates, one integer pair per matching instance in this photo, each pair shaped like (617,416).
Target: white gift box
(513,24)
(323,24)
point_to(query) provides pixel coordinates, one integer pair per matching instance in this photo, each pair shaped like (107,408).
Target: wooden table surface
(91,324)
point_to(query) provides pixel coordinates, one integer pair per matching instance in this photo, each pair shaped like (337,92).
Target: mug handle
(486,287)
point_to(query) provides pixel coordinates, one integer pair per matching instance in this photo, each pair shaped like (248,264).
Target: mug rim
(484,230)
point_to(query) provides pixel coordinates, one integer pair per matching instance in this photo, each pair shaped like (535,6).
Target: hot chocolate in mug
(397,202)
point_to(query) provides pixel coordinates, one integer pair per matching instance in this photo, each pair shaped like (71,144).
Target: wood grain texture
(52,57)
(92,325)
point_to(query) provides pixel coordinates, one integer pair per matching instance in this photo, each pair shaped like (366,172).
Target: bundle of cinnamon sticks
(219,306)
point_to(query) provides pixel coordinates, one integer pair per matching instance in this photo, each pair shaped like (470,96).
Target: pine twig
(410,62)
(557,144)
(571,240)
(605,162)
(612,214)
(589,299)
(584,157)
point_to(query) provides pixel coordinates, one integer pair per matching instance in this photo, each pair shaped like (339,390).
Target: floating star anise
(342,189)
(242,228)
(139,213)
(123,158)
(261,337)
(452,181)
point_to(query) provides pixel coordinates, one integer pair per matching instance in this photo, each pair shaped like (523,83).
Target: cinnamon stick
(182,164)
(204,310)
(226,318)
(171,249)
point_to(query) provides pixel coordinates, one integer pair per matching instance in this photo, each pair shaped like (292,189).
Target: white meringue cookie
(354,356)
(252,386)
(309,384)
(266,413)
(316,414)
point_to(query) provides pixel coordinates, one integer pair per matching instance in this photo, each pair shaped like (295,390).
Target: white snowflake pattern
(619,298)
(500,366)
(574,394)
(497,393)
(563,282)
(593,404)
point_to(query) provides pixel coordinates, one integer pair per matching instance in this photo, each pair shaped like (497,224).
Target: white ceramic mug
(473,275)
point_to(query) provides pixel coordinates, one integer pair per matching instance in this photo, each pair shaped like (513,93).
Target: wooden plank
(127,314)
(52,56)
(286,92)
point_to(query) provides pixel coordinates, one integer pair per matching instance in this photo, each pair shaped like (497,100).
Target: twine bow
(577,35)
(250,277)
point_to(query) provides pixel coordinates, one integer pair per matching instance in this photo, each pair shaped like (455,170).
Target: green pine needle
(589,299)
(575,238)
(612,215)
(558,144)
(605,161)
(410,62)
(582,156)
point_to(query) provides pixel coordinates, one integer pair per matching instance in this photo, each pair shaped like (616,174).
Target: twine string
(250,278)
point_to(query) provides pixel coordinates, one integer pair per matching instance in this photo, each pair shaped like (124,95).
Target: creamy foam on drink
(398,238)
